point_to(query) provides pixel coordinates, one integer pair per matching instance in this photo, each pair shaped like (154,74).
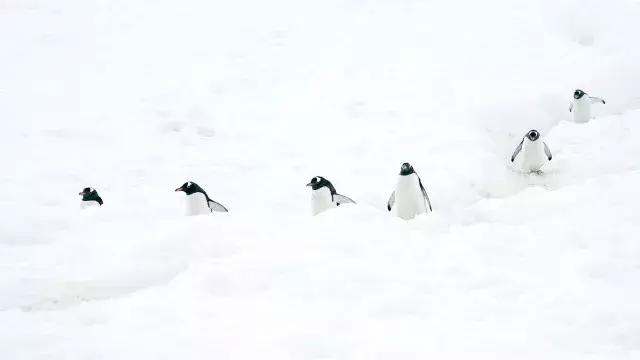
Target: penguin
(410,198)
(324,196)
(581,106)
(536,153)
(90,198)
(198,202)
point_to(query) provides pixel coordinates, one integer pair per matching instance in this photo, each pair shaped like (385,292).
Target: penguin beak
(180,189)
(81,193)
(309,184)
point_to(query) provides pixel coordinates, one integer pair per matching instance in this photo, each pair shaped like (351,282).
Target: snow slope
(251,99)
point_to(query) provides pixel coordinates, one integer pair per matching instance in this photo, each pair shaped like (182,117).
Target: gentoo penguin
(198,201)
(90,197)
(324,196)
(581,106)
(410,197)
(536,153)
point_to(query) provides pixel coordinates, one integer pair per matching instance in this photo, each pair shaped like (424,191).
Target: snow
(251,99)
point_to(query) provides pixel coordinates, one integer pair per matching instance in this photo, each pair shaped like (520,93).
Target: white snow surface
(252,98)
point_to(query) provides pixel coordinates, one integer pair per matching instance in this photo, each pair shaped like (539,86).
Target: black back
(320,182)
(90,194)
(578,94)
(406,169)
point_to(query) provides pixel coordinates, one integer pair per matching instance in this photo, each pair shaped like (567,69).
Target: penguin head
(318,182)
(90,194)
(86,191)
(406,169)
(190,188)
(533,135)
(578,94)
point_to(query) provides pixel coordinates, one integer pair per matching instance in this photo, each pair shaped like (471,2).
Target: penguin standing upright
(324,196)
(536,153)
(581,106)
(410,198)
(197,200)
(90,198)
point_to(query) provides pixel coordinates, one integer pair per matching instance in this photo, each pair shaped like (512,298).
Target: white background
(251,99)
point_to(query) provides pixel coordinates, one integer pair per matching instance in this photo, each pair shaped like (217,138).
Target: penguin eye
(189,184)
(317,179)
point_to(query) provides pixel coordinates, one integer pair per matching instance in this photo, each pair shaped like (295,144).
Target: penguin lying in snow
(581,106)
(535,154)
(324,196)
(409,198)
(197,201)
(90,197)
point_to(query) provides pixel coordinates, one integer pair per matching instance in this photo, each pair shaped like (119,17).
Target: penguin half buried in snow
(90,198)
(535,152)
(581,106)
(409,198)
(324,196)
(197,201)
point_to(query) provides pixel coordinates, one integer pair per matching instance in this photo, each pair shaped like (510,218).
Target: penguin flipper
(547,151)
(571,107)
(517,151)
(217,207)
(341,199)
(424,193)
(392,200)
(596,100)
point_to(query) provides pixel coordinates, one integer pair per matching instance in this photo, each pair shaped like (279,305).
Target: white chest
(321,200)
(533,156)
(89,204)
(409,200)
(196,204)
(582,109)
